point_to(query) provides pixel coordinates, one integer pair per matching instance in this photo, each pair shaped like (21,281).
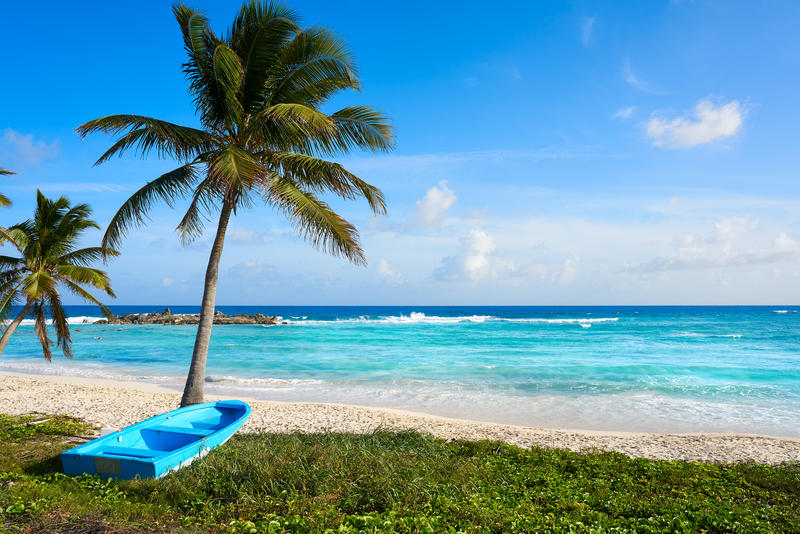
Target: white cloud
(23,149)
(723,247)
(471,260)
(431,208)
(246,236)
(587,26)
(624,113)
(167,281)
(711,124)
(389,276)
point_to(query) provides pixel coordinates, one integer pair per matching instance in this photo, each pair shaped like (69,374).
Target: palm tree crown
(258,91)
(4,200)
(49,257)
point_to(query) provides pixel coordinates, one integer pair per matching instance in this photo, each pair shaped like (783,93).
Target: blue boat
(158,445)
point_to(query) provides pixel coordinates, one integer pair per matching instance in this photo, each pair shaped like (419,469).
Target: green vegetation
(26,428)
(259,91)
(49,258)
(394,482)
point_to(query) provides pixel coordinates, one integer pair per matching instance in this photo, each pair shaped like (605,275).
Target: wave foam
(70,320)
(419,317)
(260,381)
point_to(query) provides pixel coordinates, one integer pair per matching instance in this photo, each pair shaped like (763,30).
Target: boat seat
(202,432)
(131,452)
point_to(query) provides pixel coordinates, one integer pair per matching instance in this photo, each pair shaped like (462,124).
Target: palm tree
(47,244)
(258,91)
(4,200)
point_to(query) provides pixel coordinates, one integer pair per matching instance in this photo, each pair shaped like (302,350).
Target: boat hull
(159,445)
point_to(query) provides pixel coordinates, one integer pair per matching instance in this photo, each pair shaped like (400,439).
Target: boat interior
(171,433)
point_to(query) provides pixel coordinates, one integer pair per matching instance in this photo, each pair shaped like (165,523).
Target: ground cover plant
(397,482)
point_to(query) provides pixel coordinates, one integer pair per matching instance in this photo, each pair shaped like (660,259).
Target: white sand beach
(118,404)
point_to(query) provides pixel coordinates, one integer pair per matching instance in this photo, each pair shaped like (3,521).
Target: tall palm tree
(4,200)
(49,257)
(258,91)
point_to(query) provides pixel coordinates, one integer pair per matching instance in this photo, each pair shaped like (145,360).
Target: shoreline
(121,403)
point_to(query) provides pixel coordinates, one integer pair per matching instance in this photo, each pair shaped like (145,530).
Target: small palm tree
(259,92)
(47,244)
(4,200)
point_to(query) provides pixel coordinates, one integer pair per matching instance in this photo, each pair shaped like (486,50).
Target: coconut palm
(4,200)
(49,258)
(258,91)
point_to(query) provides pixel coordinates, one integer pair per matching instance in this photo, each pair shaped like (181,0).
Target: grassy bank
(390,482)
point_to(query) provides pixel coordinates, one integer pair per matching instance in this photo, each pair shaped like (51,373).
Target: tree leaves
(49,257)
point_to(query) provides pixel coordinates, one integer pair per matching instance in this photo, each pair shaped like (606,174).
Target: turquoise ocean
(655,369)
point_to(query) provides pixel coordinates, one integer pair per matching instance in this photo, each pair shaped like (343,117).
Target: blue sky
(548,153)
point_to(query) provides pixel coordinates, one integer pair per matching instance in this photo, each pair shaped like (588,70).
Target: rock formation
(168,318)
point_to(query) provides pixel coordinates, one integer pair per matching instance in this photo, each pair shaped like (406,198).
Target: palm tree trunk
(193,391)
(13,326)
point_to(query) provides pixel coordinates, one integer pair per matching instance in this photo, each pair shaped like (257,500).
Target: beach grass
(388,481)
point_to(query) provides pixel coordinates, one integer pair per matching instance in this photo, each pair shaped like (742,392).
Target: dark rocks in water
(179,319)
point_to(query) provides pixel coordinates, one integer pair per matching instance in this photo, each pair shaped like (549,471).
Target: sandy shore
(118,404)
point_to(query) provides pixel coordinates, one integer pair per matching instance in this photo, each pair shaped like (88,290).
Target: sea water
(654,369)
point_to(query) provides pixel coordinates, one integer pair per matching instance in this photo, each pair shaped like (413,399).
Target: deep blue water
(666,369)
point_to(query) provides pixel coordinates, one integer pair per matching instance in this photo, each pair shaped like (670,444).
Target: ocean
(649,369)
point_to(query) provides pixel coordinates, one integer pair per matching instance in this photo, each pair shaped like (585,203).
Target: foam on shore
(118,404)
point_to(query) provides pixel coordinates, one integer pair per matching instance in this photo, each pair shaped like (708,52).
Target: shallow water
(660,369)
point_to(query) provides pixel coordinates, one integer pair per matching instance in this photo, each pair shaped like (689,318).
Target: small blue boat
(160,444)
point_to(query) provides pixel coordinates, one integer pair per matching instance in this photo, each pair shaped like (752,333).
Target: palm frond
(288,127)
(315,221)
(146,134)
(9,297)
(169,187)
(191,226)
(228,74)
(86,256)
(5,172)
(17,235)
(317,175)
(75,221)
(5,201)
(37,284)
(85,276)
(85,295)
(60,324)
(257,35)
(363,127)
(40,326)
(7,263)
(235,167)
(313,67)
(200,44)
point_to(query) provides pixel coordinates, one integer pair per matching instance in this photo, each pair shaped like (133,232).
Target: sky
(548,153)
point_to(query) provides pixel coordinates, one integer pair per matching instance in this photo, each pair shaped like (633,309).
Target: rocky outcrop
(168,318)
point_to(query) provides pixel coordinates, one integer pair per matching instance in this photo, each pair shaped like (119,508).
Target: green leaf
(167,188)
